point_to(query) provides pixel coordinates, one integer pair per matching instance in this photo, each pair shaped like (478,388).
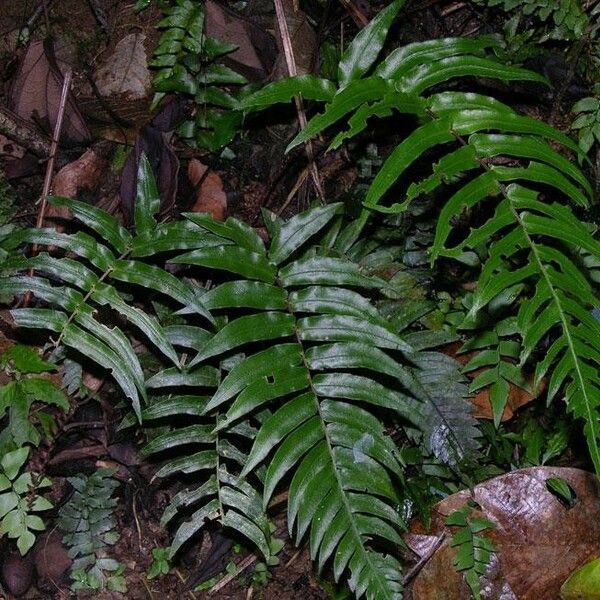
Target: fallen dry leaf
(125,72)
(256,51)
(540,542)
(210,197)
(517,396)
(304,42)
(36,90)
(81,174)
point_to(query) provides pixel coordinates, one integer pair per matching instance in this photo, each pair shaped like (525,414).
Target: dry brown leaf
(517,397)
(125,72)
(36,90)
(211,197)
(304,42)
(539,541)
(256,51)
(81,174)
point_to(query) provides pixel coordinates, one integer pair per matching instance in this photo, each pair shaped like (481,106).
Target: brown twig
(54,148)
(414,571)
(50,166)
(358,16)
(288,52)
(240,568)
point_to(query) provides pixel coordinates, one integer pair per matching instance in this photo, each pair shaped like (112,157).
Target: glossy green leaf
(245,294)
(295,232)
(278,384)
(147,202)
(232,229)
(233,259)
(173,377)
(366,46)
(344,102)
(251,328)
(309,87)
(404,58)
(584,582)
(290,416)
(321,270)
(345,328)
(260,364)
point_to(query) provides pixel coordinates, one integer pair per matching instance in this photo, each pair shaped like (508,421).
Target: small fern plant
(491,161)
(474,552)
(26,389)
(88,523)
(19,500)
(186,62)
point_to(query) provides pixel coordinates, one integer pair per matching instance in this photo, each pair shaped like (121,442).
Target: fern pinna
(490,161)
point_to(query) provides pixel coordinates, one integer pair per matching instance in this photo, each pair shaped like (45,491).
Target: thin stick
(240,568)
(50,167)
(288,52)
(54,148)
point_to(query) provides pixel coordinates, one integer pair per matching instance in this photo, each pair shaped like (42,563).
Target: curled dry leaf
(256,51)
(36,90)
(125,72)
(81,174)
(540,542)
(210,197)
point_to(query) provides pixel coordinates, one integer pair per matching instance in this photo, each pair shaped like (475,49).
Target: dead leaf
(256,51)
(517,396)
(36,90)
(210,197)
(539,541)
(81,174)
(153,141)
(125,72)
(304,42)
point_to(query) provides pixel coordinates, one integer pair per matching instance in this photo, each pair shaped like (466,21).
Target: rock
(17,573)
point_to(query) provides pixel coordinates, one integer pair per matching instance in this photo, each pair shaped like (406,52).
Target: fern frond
(535,246)
(212,459)
(324,363)
(75,290)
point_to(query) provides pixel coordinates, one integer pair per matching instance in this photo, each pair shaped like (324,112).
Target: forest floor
(103,42)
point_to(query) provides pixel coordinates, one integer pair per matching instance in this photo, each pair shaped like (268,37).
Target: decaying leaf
(153,141)
(210,197)
(304,42)
(81,174)
(540,542)
(36,90)
(125,72)
(256,51)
